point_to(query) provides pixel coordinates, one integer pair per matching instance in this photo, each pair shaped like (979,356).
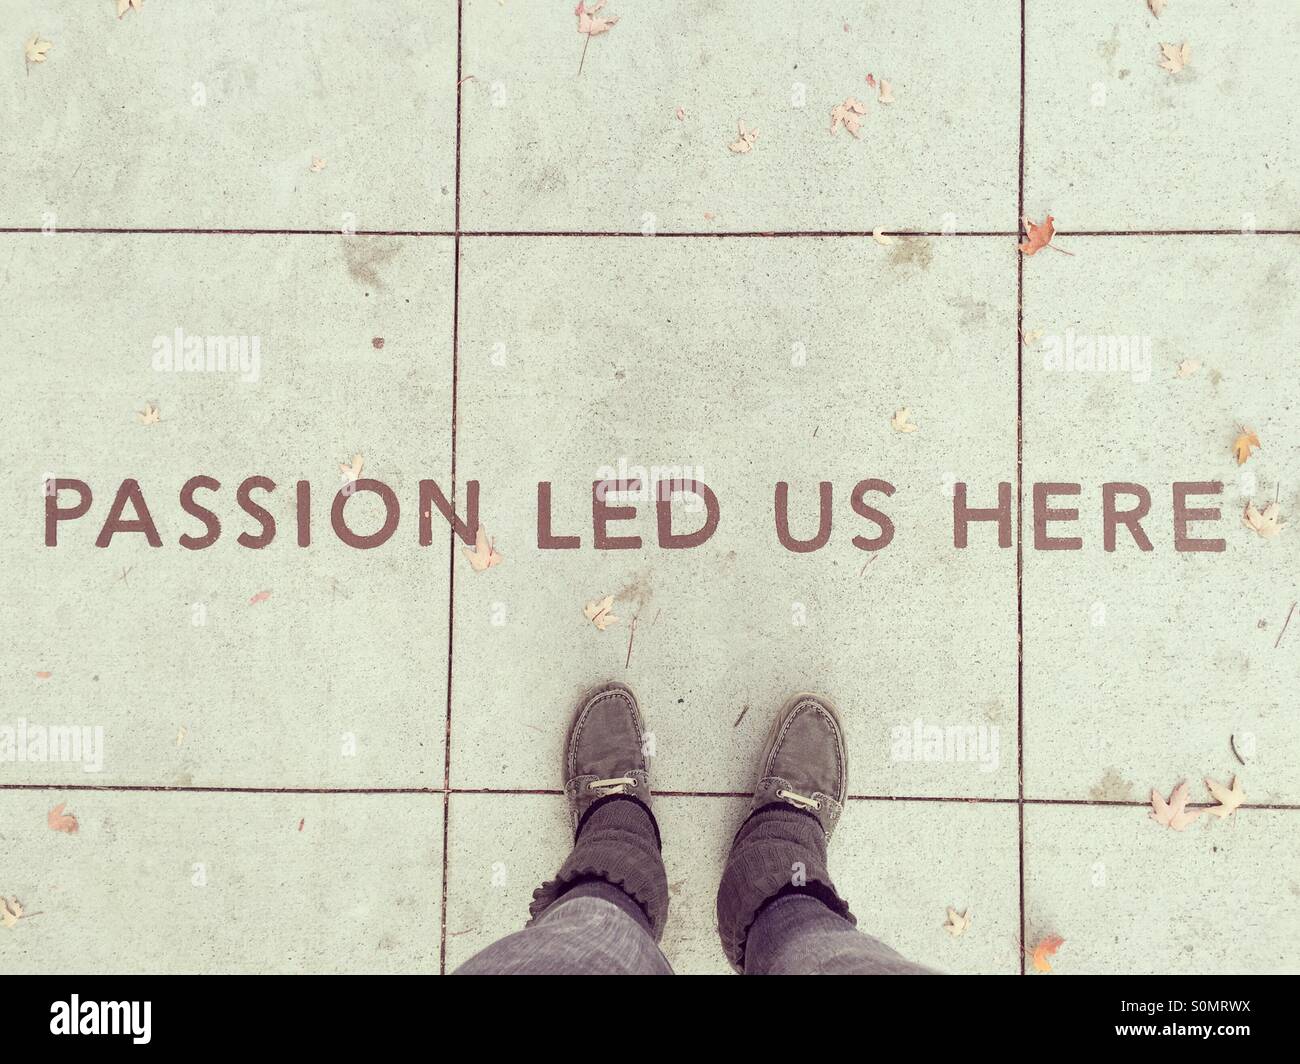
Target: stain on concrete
(1112,788)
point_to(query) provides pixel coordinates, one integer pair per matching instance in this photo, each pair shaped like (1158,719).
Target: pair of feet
(804,764)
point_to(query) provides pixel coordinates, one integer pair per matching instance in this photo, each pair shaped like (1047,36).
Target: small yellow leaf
(900,421)
(149,415)
(484,555)
(1229,798)
(35,50)
(1174,57)
(124,5)
(598,612)
(881,237)
(957,922)
(1245,444)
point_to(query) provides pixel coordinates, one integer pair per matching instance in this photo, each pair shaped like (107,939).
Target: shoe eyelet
(632,783)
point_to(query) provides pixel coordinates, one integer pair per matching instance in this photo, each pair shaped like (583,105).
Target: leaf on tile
(589,22)
(44,675)
(1188,367)
(871,80)
(1245,445)
(35,50)
(745,142)
(957,922)
(351,472)
(124,5)
(881,237)
(681,115)
(484,555)
(180,735)
(11,911)
(900,421)
(1229,798)
(1173,813)
(149,415)
(1156,6)
(317,164)
(1174,57)
(886,91)
(1265,523)
(261,596)
(1045,949)
(598,612)
(849,114)
(58,820)
(1037,236)
(1029,339)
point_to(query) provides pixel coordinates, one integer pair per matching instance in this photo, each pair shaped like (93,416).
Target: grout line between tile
(1020,506)
(451,532)
(668,235)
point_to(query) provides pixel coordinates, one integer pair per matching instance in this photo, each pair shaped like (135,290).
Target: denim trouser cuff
(776,848)
(618,843)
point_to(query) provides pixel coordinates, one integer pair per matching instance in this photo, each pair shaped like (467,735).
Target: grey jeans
(586,925)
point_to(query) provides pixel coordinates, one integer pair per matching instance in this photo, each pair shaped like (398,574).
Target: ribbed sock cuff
(618,841)
(776,848)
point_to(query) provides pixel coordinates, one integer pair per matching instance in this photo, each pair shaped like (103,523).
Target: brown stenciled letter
(431,495)
(664,513)
(1183,516)
(961,514)
(129,491)
(545,540)
(823,519)
(602,513)
(392,512)
(211,522)
(264,518)
(1110,517)
(860,507)
(54,513)
(1043,513)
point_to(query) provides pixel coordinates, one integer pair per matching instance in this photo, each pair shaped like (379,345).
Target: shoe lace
(800,800)
(616,785)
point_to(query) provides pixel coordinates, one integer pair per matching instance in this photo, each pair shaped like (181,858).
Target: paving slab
(227,665)
(1112,141)
(217,883)
(207,115)
(545,147)
(900,864)
(689,357)
(1130,896)
(1144,668)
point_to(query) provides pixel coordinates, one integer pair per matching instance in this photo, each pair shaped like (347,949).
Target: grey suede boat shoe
(604,753)
(805,764)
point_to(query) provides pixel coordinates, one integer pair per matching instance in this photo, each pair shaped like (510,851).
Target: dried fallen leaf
(1045,949)
(1038,236)
(1265,523)
(1245,444)
(886,91)
(44,675)
(588,22)
(1175,57)
(261,596)
(11,911)
(58,820)
(149,415)
(351,472)
(123,5)
(317,164)
(900,422)
(681,115)
(180,735)
(881,237)
(1173,814)
(484,555)
(745,143)
(1156,6)
(1032,337)
(1229,798)
(1188,367)
(598,612)
(871,80)
(849,114)
(35,50)
(957,922)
